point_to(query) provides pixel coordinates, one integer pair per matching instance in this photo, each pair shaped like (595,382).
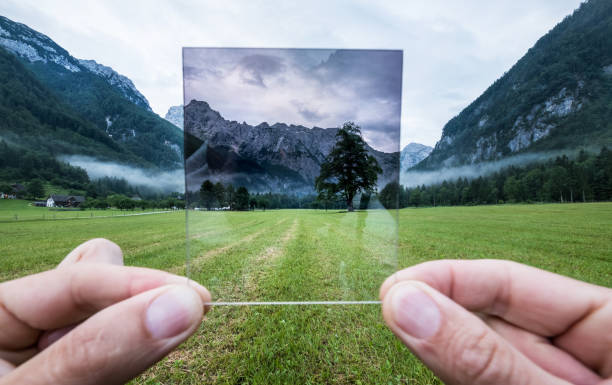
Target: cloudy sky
(453,50)
(310,87)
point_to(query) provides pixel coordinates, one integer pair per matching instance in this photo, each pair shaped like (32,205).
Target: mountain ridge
(555,97)
(98,95)
(277,157)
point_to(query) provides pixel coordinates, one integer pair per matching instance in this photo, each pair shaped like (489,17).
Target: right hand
(499,322)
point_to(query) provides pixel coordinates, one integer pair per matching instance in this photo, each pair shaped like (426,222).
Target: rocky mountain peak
(122,83)
(34,46)
(175,116)
(265,157)
(412,154)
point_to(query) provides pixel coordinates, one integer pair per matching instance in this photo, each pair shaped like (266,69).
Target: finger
(5,368)
(522,295)
(544,354)
(17,357)
(97,250)
(62,297)
(453,342)
(119,342)
(49,337)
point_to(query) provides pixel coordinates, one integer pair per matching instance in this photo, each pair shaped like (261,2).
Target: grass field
(312,255)
(17,210)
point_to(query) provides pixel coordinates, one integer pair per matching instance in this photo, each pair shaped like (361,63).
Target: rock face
(277,158)
(412,154)
(556,97)
(175,116)
(36,47)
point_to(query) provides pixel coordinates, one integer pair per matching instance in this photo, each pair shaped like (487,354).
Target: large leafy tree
(348,169)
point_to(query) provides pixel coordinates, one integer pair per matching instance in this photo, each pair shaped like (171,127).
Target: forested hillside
(586,178)
(106,100)
(558,96)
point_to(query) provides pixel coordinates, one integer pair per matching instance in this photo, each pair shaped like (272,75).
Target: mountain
(412,154)
(556,97)
(32,117)
(277,158)
(175,116)
(97,95)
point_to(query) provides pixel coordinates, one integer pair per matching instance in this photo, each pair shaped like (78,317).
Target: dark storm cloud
(254,68)
(307,87)
(374,73)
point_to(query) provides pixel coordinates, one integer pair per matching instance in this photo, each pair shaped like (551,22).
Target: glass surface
(277,142)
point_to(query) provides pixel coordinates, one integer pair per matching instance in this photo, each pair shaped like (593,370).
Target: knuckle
(479,359)
(104,244)
(81,354)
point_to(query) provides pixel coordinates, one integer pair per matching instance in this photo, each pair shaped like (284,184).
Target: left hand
(93,320)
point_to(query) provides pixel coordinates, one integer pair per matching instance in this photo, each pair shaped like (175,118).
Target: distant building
(7,196)
(65,201)
(40,203)
(18,188)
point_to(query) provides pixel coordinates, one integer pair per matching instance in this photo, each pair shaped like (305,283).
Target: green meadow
(308,255)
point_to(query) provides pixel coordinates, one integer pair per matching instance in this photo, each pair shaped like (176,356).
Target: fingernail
(415,312)
(171,313)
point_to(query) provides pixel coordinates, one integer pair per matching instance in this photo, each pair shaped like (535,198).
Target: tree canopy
(348,169)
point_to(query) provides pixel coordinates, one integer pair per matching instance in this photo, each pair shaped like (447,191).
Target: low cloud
(166,181)
(427,178)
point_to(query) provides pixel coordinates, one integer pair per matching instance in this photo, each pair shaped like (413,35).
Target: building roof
(66,198)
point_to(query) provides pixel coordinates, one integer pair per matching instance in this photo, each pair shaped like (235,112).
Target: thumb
(454,343)
(119,342)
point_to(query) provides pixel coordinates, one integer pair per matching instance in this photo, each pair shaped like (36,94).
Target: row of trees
(586,178)
(217,195)
(123,202)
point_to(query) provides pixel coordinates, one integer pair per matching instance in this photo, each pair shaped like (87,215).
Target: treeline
(586,178)
(219,196)
(123,202)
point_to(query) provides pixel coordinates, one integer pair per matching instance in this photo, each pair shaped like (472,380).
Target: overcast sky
(309,87)
(453,50)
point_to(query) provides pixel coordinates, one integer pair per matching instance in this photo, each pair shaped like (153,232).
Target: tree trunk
(349,205)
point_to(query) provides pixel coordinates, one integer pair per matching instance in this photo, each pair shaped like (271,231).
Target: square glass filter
(291,172)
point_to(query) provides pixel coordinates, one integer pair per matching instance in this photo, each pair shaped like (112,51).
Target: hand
(499,322)
(92,320)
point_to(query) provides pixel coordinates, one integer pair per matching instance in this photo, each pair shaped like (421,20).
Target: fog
(166,181)
(418,178)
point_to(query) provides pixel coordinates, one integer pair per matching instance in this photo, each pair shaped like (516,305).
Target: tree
(219,192)
(230,196)
(242,198)
(262,202)
(207,194)
(348,169)
(389,195)
(5,188)
(36,189)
